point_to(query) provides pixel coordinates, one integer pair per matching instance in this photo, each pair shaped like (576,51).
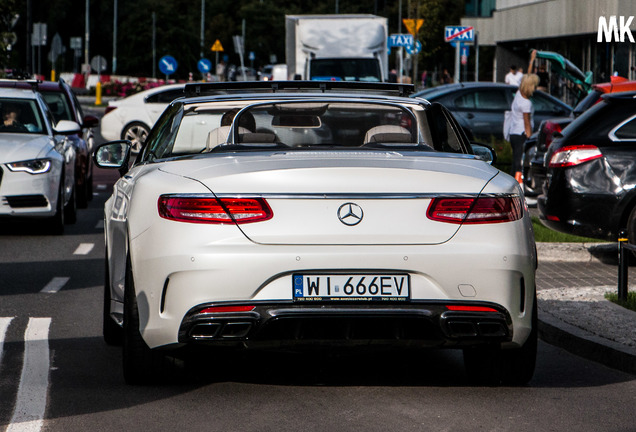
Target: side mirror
(484,152)
(67,127)
(113,154)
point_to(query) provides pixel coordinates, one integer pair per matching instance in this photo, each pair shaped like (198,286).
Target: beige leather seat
(387,132)
(219,136)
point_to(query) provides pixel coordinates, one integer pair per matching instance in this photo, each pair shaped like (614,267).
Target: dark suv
(64,106)
(591,172)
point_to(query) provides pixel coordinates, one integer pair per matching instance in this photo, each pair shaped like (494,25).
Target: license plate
(374,287)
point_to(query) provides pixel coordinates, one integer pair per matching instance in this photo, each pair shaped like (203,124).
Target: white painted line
(55,285)
(28,415)
(84,249)
(100,225)
(4,325)
(101,187)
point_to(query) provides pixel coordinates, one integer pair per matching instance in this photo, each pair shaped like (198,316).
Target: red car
(64,106)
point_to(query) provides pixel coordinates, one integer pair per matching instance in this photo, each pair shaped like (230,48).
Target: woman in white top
(522,121)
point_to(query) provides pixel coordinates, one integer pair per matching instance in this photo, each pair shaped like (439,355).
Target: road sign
(413,25)
(459,33)
(99,64)
(204,65)
(400,40)
(167,65)
(418,48)
(76,43)
(217,46)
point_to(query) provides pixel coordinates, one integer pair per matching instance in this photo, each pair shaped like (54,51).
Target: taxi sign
(217,46)
(459,34)
(400,40)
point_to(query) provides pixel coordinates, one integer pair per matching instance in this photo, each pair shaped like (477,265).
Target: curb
(576,341)
(578,252)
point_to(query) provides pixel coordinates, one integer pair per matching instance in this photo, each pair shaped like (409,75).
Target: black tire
(136,133)
(493,366)
(113,333)
(631,236)
(141,364)
(70,209)
(529,188)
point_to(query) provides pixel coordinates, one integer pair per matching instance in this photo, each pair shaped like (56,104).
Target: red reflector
(570,156)
(222,309)
(213,210)
(475,210)
(553,218)
(550,129)
(470,308)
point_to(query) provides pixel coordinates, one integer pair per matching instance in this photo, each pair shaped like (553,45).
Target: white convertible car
(299,214)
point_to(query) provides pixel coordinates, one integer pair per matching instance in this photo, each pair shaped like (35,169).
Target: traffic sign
(413,25)
(167,65)
(418,48)
(99,64)
(217,46)
(400,40)
(204,65)
(459,33)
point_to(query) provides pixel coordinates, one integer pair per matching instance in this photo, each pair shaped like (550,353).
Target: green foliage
(630,303)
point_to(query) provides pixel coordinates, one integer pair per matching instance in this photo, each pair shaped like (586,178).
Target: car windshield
(58,105)
(300,125)
(20,116)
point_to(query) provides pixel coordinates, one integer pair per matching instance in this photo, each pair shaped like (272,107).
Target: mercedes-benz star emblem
(350,214)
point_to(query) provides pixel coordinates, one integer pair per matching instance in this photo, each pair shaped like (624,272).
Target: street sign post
(205,66)
(458,35)
(216,48)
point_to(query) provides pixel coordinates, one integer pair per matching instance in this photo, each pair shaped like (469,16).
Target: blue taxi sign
(459,34)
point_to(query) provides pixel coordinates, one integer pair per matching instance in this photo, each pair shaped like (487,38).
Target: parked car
(479,106)
(534,171)
(132,117)
(37,161)
(591,171)
(64,106)
(342,214)
(275,72)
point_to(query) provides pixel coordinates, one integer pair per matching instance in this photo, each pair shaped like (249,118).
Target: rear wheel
(142,365)
(493,366)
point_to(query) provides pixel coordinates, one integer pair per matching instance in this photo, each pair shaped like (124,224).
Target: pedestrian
(220,70)
(424,78)
(512,77)
(521,121)
(446,77)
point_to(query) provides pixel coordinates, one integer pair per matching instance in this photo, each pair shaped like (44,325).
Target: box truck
(336,47)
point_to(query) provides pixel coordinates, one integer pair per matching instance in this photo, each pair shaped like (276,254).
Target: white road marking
(55,285)
(84,249)
(4,325)
(101,187)
(28,415)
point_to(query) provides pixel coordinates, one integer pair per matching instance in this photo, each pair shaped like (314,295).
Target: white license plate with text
(383,287)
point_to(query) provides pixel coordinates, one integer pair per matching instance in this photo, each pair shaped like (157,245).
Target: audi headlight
(35,166)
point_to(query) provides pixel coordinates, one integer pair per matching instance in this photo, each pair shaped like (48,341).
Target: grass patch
(630,303)
(545,234)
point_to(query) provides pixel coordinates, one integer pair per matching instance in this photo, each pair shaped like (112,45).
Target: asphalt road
(56,373)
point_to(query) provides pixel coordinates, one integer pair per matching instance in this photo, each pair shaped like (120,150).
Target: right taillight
(570,156)
(475,210)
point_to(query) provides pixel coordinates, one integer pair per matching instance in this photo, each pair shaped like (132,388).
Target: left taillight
(479,210)
(213,210)
(570,156)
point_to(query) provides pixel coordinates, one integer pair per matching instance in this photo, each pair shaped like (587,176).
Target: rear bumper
(288,324)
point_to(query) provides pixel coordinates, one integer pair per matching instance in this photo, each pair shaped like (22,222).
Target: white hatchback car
(37,161)
(131,118)
(326,213)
